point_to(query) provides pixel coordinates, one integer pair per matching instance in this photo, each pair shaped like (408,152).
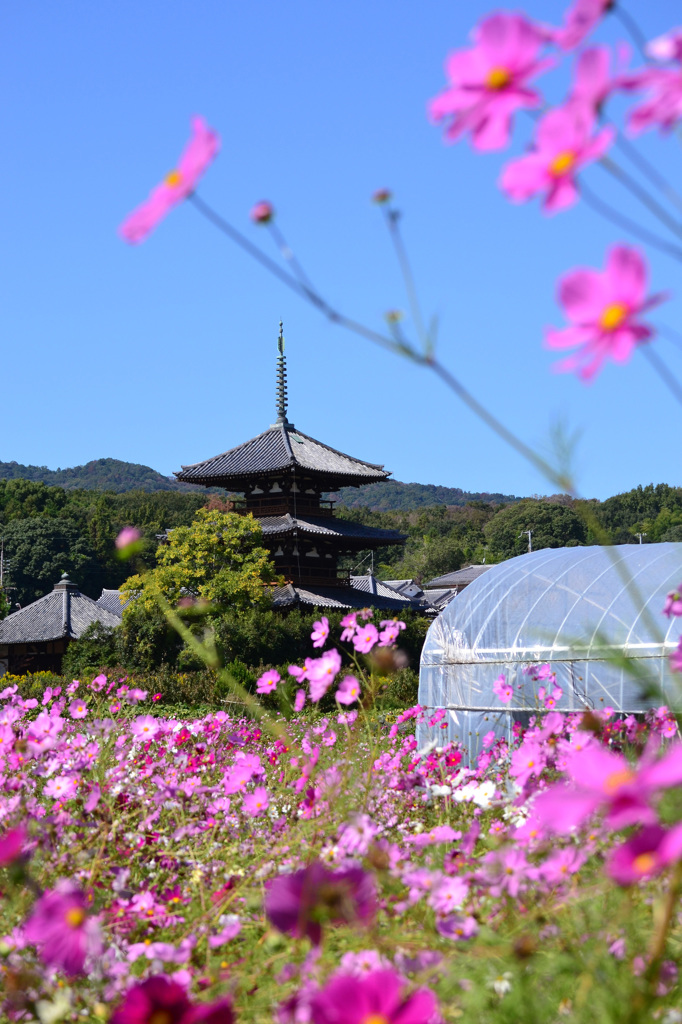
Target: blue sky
(165,354)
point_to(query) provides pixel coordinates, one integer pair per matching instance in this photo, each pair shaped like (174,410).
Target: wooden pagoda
(283,475)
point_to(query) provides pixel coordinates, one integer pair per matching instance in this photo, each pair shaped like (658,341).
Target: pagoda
(284,475)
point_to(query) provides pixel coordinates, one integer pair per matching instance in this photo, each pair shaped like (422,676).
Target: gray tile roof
(64,613)
(110,600)
(281,448)
(339,597)
(439,598)
(328,526)
(460,578)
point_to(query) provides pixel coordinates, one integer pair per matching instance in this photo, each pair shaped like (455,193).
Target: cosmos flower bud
(382,195)
(262,213)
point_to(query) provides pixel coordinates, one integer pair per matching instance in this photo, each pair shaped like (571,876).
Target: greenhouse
(594,614)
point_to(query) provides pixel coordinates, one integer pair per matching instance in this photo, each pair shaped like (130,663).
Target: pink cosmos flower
(673,603)
(262,213)
(178,184)
(488,83)
(11,845)
(580,19)
(676,658)
(156,999)
(78,709)
(299,701)
(350,624)
(256,803)
(564,144)
(144,727)
(128,535)
(61,929)
(320,632)
(603,308)
(503,689)
(592,80)
(645,854)
(322,672)
(457,927)
(527,761)
(666,47)
(298,902)
(268,681)
(374,998)
(62,787)
(365,638)
(348,691)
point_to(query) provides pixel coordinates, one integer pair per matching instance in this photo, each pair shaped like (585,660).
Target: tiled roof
(460,578)
(110,600)
(439,598)
(281,448)
(339,597)
(328,526)
(64,613)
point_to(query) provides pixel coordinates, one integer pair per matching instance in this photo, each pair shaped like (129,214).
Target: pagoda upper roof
(329,526)
(281,449)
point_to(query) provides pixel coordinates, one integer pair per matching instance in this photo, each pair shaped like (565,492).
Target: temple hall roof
(364,592)
(65,613)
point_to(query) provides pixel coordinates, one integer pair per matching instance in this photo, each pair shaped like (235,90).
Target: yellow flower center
(562,163)
(613,316)
(498,78)
(375,1018)
(173,178)
(615,780)
(160,1017)
(75,917)
(645,863)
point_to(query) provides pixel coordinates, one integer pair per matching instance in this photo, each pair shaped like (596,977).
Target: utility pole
(640,535)
(529,534)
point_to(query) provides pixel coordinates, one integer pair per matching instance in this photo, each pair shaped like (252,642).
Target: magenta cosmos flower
(503,689)
(320,632)
(603,307)
(78,709)
(488,82)
(673,603)
(128,535)
(365,638)
(61,929)
(300,902)
(268,681)
(663,105)
(580,19)
(11,845)
(348,691)
(159,1000)
(564,144)
(178,184)
(374,998)
(645,854)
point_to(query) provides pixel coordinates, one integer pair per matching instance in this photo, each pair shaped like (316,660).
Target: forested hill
(394,496)
(119,477)
(98,475)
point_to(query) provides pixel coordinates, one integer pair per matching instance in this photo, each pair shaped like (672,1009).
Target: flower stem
(663,372)
(622,221)
(392,222)
(641,194)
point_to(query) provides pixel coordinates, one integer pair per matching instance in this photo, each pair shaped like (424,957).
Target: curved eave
(330,480)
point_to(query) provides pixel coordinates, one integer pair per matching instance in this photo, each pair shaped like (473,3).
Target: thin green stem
(607,211)
(640,193)
(633,29)
(392,218)
(663,372)
(648,170)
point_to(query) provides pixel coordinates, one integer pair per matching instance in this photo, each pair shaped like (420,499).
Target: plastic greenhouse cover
(575,608)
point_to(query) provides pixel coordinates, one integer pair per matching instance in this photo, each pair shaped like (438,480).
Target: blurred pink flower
(676,658)
(673,603)
(128,535)
(564,144)
(645,854)
(262,213)
(78,709)
(11,845)
(592,79)
(348,691)
(603,307)
(61,929)
(374,998)
(503,689)
(296,903)
(144,727)
(299,701)
(156,999)
(320,632)
(488,81)
(268,681)
(322,672)
(349,623)
(256,803)
(178,184)
(580,19)
(666,47)
(61,787)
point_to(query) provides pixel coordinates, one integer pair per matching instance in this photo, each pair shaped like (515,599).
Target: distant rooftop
(459,578)
(64,613)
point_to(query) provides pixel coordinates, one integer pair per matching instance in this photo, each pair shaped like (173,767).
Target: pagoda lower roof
(378,596)
(329,526)
(281,449)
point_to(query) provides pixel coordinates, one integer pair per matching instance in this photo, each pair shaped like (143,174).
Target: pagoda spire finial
(281,378)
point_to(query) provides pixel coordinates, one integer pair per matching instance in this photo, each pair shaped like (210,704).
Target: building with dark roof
(283,475)
(35,638)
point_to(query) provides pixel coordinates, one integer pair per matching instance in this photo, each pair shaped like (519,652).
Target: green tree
(553,526)
(219,558)
(40,549)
